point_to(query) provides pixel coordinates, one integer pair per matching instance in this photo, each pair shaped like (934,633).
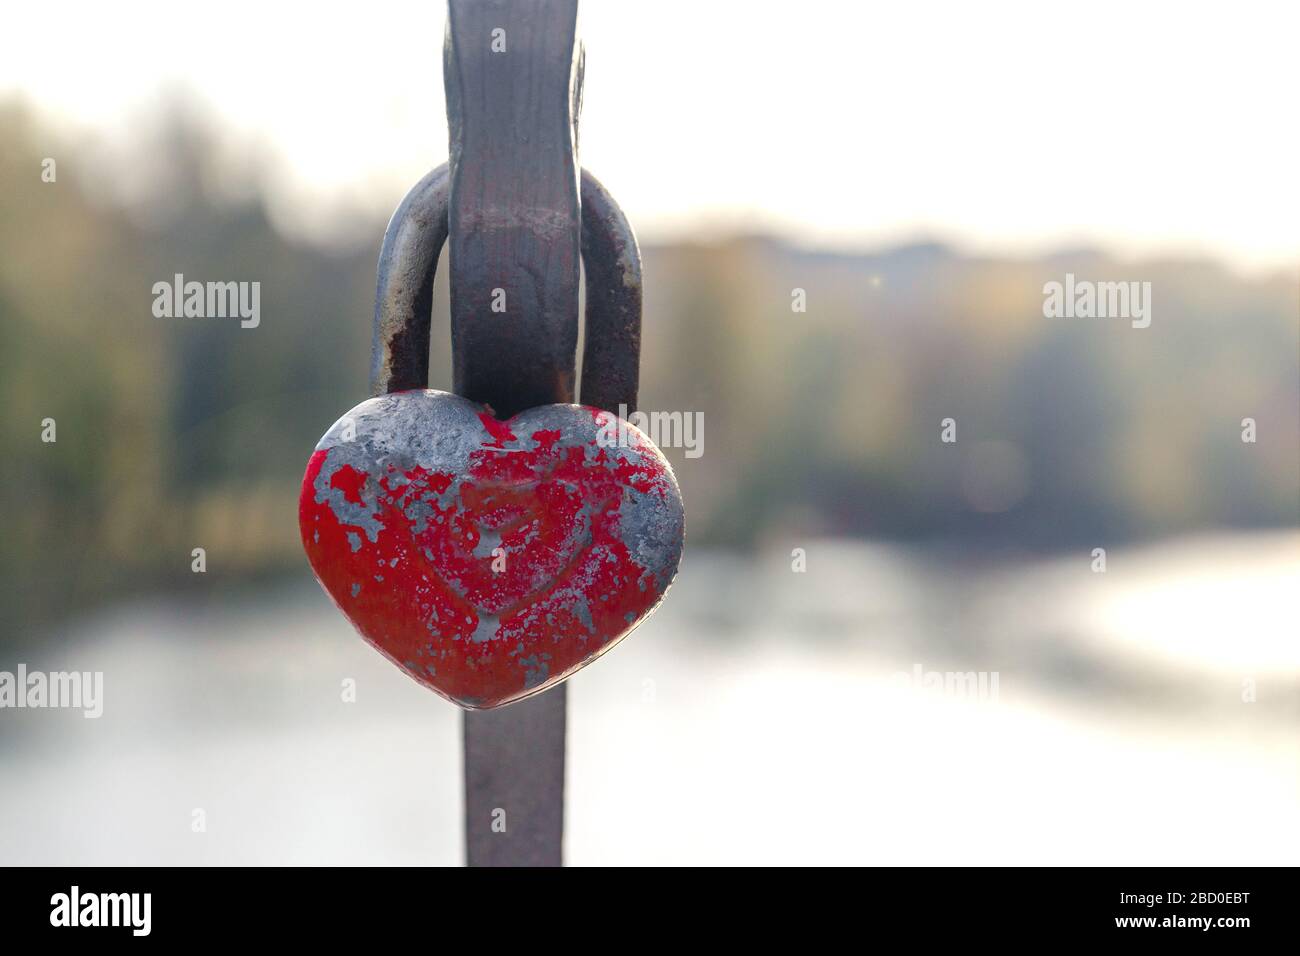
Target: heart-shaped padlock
(488,559)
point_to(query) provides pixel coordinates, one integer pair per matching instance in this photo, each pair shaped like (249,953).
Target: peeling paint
(427,485)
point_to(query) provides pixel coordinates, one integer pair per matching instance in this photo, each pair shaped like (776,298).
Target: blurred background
(920,171)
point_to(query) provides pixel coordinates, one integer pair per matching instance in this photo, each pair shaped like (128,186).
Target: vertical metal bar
(512,69)
(514,782)
(513,79)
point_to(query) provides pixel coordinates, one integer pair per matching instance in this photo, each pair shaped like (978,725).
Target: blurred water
(757,718)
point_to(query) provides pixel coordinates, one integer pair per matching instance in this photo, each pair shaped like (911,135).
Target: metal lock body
(489,559)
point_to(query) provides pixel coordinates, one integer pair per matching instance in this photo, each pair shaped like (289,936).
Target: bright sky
(1003,127)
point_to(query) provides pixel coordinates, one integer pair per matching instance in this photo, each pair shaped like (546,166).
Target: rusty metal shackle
(408,262)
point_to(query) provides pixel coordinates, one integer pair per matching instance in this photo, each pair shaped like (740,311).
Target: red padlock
(488,559)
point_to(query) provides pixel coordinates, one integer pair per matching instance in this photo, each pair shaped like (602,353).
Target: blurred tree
(182,433)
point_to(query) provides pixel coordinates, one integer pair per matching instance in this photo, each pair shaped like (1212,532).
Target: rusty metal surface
(611,359)
(514,222)
(408,263)
(611,259)
(408,259)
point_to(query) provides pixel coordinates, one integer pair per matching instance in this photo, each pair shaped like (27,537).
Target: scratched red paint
(496,583)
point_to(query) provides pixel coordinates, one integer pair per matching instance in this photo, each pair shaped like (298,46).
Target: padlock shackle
(611,260)
(408,263)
